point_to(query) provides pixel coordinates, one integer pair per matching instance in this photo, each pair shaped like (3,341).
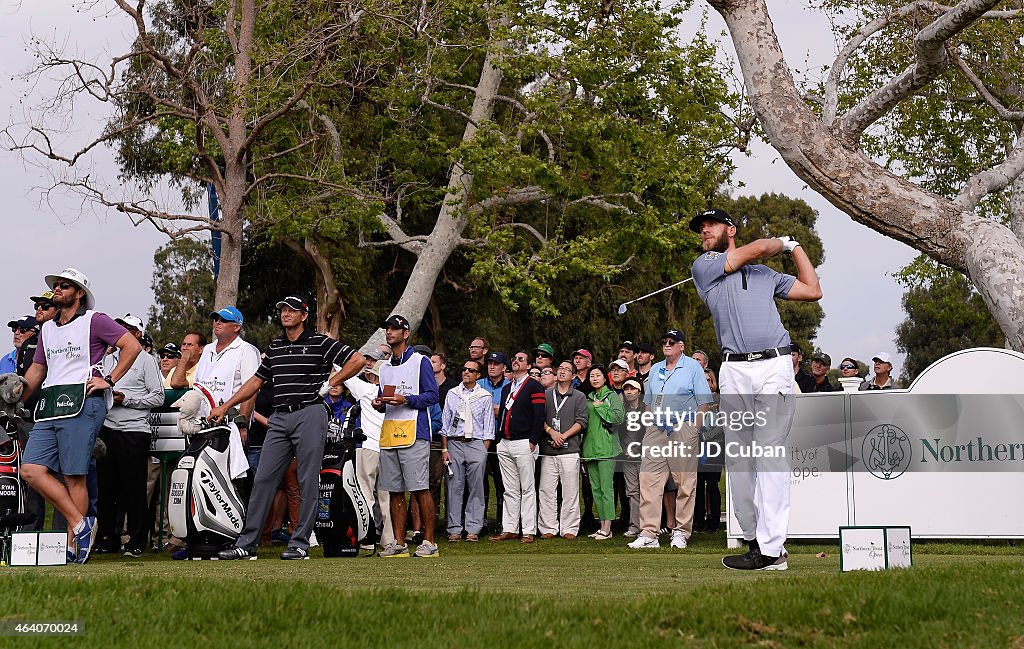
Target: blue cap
(229,313)
(497,357)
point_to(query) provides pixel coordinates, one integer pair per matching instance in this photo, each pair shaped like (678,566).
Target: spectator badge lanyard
(658,398)
(513,393)
(556,423)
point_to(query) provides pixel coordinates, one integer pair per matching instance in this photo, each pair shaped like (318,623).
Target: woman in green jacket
(601,446)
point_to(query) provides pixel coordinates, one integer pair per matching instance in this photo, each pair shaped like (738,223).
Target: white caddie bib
(222,376)
(68,369)
(399,427)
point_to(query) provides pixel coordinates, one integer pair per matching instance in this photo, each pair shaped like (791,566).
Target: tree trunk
(436,328)
(330,307)
(232,219)
(988,252)
(452,219)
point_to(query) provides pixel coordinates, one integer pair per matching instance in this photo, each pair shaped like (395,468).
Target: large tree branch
(931,61)
(986,94)
(858,38)
(995,179)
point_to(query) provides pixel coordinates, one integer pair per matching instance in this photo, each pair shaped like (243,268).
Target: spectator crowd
(546,431)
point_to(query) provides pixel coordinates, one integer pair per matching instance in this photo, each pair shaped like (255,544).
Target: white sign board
(24,548)
(39,548)
(53,549)
(874,548)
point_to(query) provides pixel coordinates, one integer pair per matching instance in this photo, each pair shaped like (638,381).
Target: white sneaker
(630,534)
(644,542)
(678,540)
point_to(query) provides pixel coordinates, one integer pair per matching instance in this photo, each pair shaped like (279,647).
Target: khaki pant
(517,473)
(555,469)
(682,448)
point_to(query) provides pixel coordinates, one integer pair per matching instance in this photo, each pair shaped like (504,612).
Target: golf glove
(789,244)
(325,388)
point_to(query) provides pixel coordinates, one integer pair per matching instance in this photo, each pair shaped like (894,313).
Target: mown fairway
(552,594)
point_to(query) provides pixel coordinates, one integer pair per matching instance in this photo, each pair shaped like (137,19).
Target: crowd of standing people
(555,436)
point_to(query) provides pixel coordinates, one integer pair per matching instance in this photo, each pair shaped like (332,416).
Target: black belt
(764,354)
(295,407)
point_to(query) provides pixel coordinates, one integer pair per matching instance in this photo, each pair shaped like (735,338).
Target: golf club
(622,307)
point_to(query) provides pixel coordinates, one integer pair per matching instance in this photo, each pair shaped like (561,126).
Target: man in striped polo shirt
(299,363)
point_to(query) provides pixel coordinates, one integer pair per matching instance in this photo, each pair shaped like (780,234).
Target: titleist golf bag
(343,517)
(204,507)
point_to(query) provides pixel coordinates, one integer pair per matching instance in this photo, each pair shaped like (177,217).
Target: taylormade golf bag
(204,507)
(343,517)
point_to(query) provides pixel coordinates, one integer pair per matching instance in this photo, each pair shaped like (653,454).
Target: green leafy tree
(183,289)
(944,314)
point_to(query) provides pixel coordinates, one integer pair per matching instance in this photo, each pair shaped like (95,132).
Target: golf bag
(205,508)
(343,517)
(12,497)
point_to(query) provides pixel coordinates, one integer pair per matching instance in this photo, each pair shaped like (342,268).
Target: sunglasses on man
(19,330)
(847,366)
(64,286)
(44,306)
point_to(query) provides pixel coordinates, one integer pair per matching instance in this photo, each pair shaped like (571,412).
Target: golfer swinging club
(757,372)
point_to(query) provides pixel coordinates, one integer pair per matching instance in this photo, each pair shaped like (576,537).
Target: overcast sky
(45,233)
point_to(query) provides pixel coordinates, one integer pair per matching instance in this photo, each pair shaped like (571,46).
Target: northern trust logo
(886,452)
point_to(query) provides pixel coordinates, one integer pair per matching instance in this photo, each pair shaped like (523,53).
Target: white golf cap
(882,356)
(79,278)
(619,363)
(133,321)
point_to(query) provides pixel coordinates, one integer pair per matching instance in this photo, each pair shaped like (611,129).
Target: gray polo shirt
(742,303)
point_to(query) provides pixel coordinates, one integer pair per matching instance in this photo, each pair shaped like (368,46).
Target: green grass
(555,594)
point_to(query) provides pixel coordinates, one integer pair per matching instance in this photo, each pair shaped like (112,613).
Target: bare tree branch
(145,210)
(979,85)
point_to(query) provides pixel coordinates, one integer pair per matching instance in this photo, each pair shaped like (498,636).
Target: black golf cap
(674,334)
(497,357)
(629,344)
(644,347)
(710,215)
(170,350)
(294,303)
(396,322)
(24,322)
